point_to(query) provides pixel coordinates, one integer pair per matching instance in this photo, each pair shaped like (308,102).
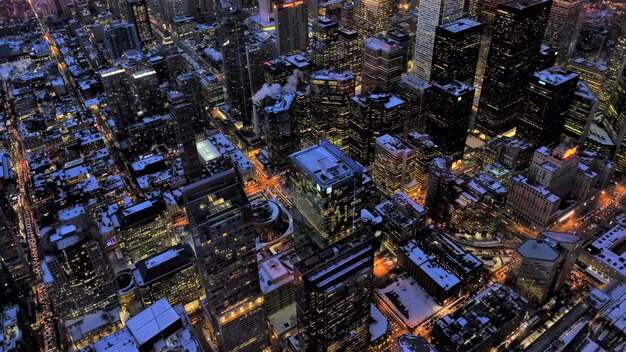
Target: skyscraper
(581,113)
(145,86)
(383,65)
(413,91)
(616,121)
(440,189)
(333,297)
(328,192)
(425,151)
(371,16)
(189,84)
(170,274)
(204,10)
(548,99)
(336,48)
(455,56)
(516,39)
(119,37)
(75,268)
(373,116)
(291,26)
(260,51)
(432,13)
(183,113)
(233,43)
(58,7)
(534,268)
(405,40)
(324,34)
(279,127)
(224,236)
(573,245)
(448,114)
(561,29)
(138,15)
(330,105)
(143,229)
(395,166)
(115,83)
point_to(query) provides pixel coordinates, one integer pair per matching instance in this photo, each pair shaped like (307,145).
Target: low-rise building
(153,328)
(439,282)
(402,217)
(480,205)
(606,256)
(482,322)
(531,205)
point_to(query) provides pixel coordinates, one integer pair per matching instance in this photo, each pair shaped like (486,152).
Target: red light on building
(570,153)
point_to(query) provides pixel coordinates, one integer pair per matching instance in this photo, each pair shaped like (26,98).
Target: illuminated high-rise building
(224,236)
(383,65)
(373,116)
(406,40)
(190,85)
(432,13)
(395,166)
(448,114)
(371,16)
(75,269)
(516,39)
(581,113)
(548,99)
(561,30)
(115,83)
(328,191)
(324,34)
(402,218)
(258,53)
(616,63)
(615,121)
(413,91)
(334,293)
(440,189)
(232,36)
(291,26)
(455,56)
(568,242)
(183,114)
(279,127)
(535,266)
(595,74)
(145,87)
(119,37)
(487,14)
(555,168)
(170,274)
(480,205)
(330,105)
(425,151)
(138,15)
(546,58)
(143,229)
(335,48)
